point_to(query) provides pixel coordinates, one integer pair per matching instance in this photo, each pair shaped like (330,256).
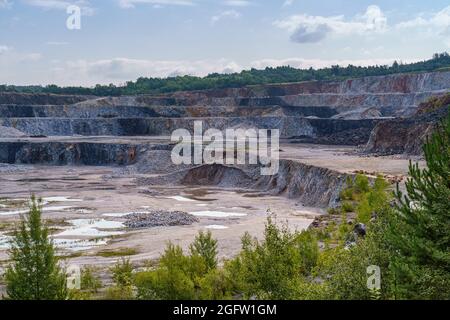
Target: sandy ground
(103,193)
(344,159)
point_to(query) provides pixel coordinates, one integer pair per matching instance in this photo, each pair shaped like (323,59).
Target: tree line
(285,74)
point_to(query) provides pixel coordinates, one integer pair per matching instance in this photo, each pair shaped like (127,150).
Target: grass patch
(13,204)
(6,226)
(347,206)
(70,255)
(120,252)
(57,222)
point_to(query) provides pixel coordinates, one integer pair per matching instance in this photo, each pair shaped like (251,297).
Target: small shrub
(122,274)
(271,269)
(364,211)
(206,247)
(120,252)
(171,280)
(347,194)
(309,250)
(362,183)
(89,281)
(347,206)
(343,228)
(333,211)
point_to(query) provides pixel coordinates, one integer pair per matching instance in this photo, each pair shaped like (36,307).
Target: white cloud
(237,3)
(4,49)
(4,4)
(305,28)
(9,56)
(287,3)
(86,7)
(435,25)
(120,70)
(232,14)
(320,63)
(439,20)
(155,3)
(34,56)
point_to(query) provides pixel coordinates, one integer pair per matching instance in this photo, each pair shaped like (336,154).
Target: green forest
(285,74)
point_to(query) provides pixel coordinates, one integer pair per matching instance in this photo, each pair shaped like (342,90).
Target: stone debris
(159,218)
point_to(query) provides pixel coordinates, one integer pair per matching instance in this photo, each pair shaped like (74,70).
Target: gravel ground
(159,218)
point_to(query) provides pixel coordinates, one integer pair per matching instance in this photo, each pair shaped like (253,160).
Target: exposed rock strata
(40,98)
(288,126)
(67,153)
(312,186)
(407,136)
(335,112)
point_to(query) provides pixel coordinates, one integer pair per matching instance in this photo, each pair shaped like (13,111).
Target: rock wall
(407,135)
(312,186)
(328,112)
(59,153)
(288,126)
(40,98)
(393,95)
(108,112)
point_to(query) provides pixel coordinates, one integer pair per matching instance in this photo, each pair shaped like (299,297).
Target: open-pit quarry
(102,165)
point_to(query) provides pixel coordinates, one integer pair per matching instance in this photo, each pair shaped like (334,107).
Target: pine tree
(206,247)
(420,231)
(34,273)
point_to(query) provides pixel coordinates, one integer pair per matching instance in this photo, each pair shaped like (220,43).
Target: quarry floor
(85,205)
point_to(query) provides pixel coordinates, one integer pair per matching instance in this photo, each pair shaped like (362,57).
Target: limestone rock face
(353,112)
(407,135)
(335,112)
(14,98)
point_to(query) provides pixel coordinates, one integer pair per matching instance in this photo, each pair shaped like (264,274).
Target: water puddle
(78,244)
(217,214)
(84,211)
(67,244)
(4,242)
(44,209)
(92,228)
(194,195)
(60,199)
(182,199)
(198,193)
(216,227)
(11,213)
(56,208)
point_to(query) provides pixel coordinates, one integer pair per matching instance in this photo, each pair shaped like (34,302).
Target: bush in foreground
(34,273)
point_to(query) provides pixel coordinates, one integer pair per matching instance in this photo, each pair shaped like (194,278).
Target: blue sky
(120,40)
